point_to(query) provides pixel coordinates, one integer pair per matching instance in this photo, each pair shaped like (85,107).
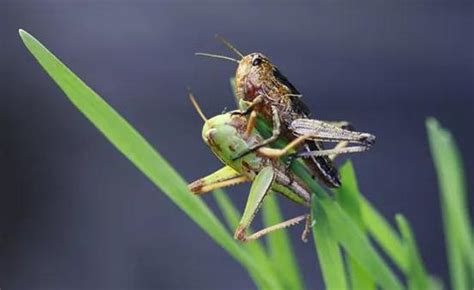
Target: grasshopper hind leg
(260,189)
(240,234)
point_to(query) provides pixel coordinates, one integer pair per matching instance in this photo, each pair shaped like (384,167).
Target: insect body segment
(263,91)
(227,135)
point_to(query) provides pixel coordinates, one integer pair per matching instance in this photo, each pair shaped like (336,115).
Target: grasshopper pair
(229,135)
(267,93)
(262,91)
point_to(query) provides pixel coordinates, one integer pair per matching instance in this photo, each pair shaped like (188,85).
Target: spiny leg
(279,226)
(334,151)
(260,189)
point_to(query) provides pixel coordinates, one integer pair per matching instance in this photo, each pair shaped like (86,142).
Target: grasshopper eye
(257,61)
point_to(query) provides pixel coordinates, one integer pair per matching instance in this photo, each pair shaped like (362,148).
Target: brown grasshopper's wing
(298,106)
(322,166)
(326,132)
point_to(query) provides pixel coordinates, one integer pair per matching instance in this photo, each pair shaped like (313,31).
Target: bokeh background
(75,214)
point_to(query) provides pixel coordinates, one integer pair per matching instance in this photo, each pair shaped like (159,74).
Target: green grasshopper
(228,135)
(266,92)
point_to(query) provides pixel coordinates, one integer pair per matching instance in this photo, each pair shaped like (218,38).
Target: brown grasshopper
(264,91)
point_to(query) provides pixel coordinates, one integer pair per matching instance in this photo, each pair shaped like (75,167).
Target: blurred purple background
(75,214)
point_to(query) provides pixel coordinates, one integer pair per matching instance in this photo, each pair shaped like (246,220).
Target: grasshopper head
(225,136)
(252,72)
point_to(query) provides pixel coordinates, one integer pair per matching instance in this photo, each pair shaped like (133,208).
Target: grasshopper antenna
(196,106)
(217,56)
(229,45)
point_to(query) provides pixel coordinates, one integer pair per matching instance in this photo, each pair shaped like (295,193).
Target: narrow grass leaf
(128,141)
(348,197)
(279,245)
(456,220)
(329,252)
(360,209)
(359,278)
(416,274)
(383,233)
(358,246)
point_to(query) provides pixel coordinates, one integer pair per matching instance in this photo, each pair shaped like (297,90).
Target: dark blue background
(75,214)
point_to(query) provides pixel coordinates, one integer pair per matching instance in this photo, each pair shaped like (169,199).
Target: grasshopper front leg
(259,190)
(275,134)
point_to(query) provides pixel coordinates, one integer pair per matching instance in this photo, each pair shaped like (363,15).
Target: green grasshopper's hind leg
(260,189)
(279,226)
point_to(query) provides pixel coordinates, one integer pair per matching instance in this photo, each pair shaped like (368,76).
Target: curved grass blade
(359,278)
(370,220)
(130,143)
(416,274)
(456,220)
(357,245)
(348,197)
(329,252)
(279,246)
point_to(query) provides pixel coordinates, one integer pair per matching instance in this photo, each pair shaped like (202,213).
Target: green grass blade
(416,274)
(279,245)
(354,241)
(128,141)
(359,278)
(357,245)
(457,226)
(329,252)
(254,248)
(348,197)
(383,233)
(352,201)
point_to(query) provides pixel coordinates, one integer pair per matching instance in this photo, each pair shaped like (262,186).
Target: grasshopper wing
(323,131)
